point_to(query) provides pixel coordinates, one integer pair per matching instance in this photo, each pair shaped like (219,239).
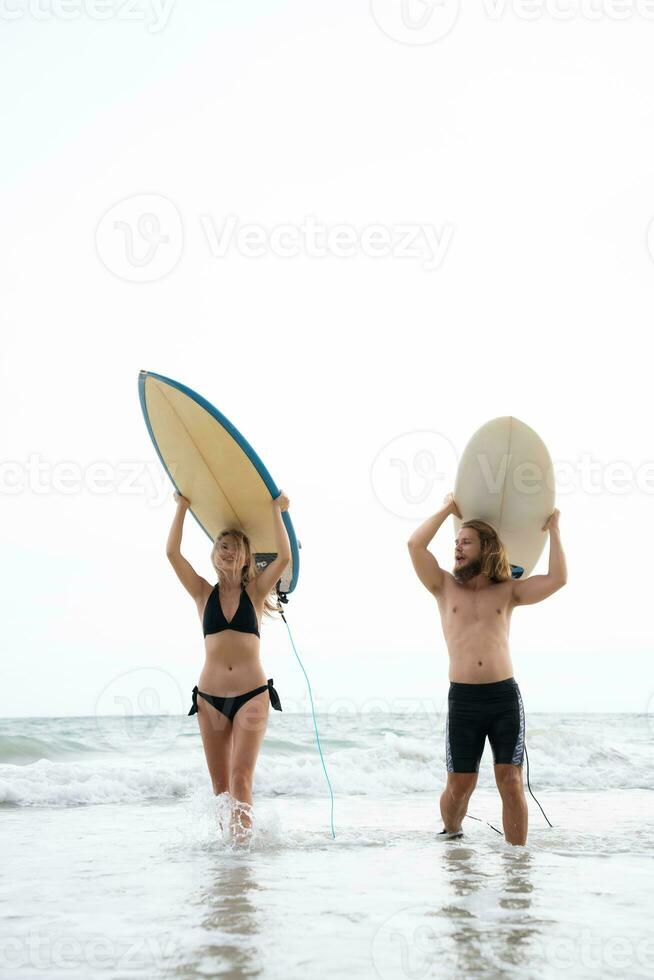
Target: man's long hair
(493,558)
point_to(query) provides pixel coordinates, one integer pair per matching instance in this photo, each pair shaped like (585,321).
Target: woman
(232,698)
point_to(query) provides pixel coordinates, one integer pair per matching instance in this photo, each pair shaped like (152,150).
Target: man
(475,604)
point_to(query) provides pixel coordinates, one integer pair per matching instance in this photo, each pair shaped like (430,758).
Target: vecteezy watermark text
(141,239)
(127,477)
(414,940)
(419,22)
(316,240)
(566,10)
(50,952)
(155,14)
(411,474)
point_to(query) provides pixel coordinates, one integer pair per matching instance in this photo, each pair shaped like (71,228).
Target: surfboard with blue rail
(211,464)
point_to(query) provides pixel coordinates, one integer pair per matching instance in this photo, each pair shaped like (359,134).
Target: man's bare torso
(475,625)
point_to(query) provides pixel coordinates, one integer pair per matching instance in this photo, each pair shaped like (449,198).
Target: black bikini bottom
(229,706)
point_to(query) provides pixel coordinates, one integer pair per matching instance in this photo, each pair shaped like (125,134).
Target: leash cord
(528,787)
(315,724)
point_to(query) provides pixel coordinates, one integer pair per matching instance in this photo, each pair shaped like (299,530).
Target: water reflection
(230,922)
(489,908)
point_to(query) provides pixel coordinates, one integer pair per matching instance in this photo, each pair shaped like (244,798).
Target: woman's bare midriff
(475,625)
(232,664)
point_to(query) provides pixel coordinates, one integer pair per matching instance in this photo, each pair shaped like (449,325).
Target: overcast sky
(360,238)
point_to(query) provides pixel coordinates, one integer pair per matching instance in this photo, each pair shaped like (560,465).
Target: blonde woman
(232,697)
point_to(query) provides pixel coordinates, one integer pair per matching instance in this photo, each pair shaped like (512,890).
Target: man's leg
(454,800)
(464,747)
(514,805)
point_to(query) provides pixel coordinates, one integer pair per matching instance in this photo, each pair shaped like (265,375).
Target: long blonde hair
(494,559)
(243,561)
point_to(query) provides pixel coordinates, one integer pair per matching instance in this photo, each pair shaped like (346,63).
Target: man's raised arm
(427,568)
(539,587)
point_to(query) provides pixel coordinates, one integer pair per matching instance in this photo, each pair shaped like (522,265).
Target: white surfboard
(505,477)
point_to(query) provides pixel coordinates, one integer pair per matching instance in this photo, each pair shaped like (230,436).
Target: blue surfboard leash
(283,598)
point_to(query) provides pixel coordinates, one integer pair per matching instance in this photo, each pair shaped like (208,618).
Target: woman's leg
(248,730)
(216,732)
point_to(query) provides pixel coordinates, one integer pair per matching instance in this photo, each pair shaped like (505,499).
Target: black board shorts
(479,710)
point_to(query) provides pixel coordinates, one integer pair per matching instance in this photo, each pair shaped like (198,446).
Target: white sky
(526,146)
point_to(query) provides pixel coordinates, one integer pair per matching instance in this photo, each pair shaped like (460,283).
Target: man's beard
(468,571)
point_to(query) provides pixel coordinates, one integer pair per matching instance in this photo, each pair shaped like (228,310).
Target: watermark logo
(420,22)
(407,944)
(141,238)
(141,711)
(411,474)
(415,21)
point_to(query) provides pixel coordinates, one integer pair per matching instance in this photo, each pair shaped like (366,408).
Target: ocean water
(113,864)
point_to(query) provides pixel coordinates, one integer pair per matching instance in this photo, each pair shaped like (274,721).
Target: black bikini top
(244,619)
